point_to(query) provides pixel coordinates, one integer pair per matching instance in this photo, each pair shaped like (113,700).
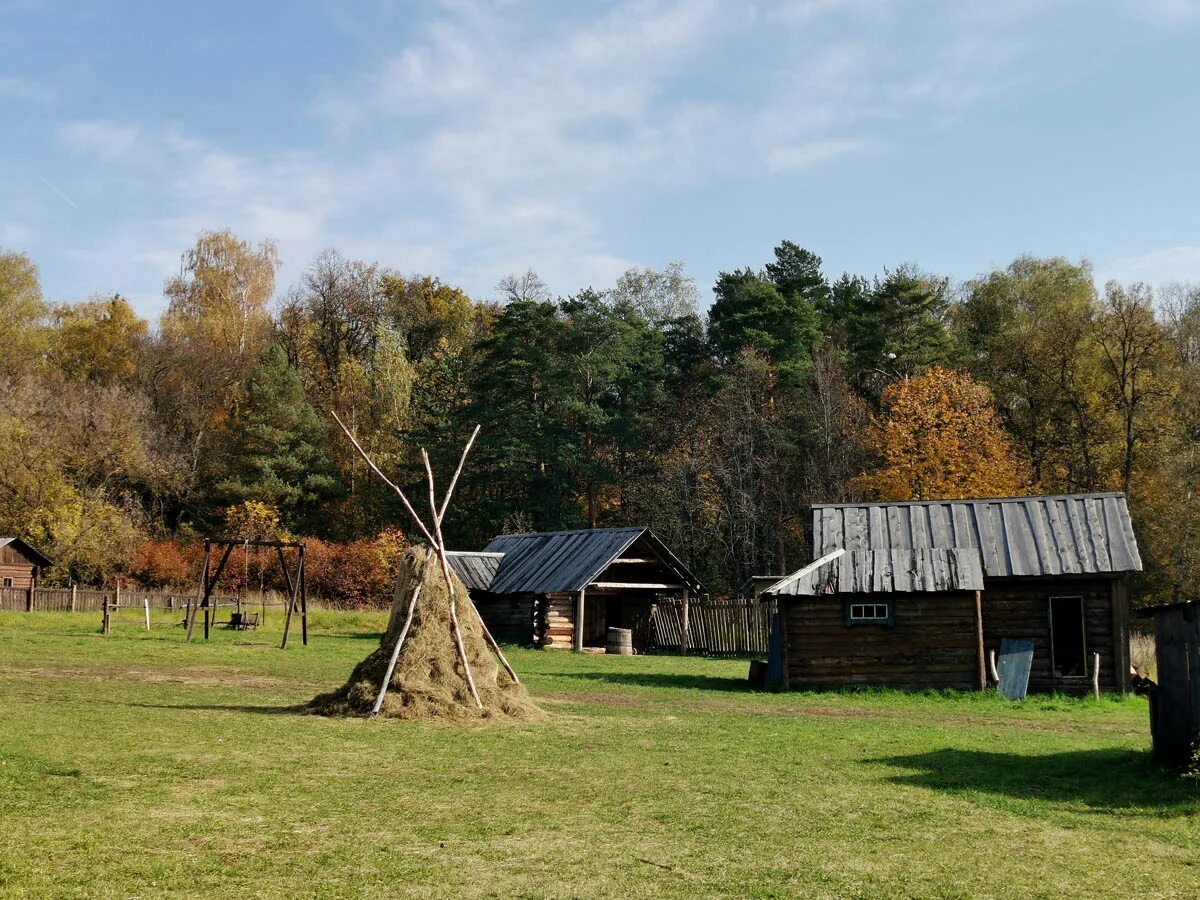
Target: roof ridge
(531,534)
(1014,499)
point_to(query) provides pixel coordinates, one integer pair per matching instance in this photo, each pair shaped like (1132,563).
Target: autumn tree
(939,437)
(658,297)
(1028,331)
(21,310)
(100,340)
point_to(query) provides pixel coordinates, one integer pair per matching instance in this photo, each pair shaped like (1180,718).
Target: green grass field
(138,766)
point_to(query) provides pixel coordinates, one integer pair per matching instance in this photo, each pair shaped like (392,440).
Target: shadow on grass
(1104,780)
(664,680)
(227,707)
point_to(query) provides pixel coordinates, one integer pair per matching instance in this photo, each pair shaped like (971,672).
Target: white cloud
(1156,267)
(489,144)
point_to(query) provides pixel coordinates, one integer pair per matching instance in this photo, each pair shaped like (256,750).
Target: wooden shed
(565,589)
(21,566)
(1175,700)
(917,595)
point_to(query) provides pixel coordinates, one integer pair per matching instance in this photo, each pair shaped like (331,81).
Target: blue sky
(471,140)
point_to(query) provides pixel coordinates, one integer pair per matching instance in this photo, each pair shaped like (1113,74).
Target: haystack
(437,659)
(428,681)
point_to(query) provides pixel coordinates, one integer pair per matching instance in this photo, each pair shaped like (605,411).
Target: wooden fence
(77,599)
(716,627)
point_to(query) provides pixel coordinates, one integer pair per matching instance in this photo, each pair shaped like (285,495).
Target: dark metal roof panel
(476,570)
(1066,534)
(556,562)
(567,561)
(888,571)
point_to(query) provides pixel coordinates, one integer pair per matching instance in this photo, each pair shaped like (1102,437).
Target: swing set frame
(297,595)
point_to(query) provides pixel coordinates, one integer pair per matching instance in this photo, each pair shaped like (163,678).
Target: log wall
(931,643)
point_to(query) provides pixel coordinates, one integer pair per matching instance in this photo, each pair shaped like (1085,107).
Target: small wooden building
(1175,699)
(21,566)
(565,589)
(917,595)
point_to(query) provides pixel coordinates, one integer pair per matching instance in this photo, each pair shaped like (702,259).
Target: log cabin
(565,589)
(918,595)
(21,566)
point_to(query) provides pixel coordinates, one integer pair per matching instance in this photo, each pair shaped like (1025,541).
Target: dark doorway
(1068,638)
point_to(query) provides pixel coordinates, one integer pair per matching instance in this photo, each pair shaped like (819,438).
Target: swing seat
(243,621)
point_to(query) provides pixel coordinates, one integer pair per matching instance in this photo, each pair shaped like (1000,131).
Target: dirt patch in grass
(208,677)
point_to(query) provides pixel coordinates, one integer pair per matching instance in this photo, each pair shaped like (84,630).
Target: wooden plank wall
(1021,610)
(930,645)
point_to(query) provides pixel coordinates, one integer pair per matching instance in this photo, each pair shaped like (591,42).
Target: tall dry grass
(1141,654)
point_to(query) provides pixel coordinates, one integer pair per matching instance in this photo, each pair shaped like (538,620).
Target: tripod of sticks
(434,537)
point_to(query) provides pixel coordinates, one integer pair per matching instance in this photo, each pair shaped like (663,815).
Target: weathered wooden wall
(509,617)
(1020,609)
(930,645)
(17,567)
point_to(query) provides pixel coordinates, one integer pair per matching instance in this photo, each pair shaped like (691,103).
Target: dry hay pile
(428,681)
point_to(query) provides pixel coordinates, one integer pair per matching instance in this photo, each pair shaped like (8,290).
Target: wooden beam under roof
(638,585)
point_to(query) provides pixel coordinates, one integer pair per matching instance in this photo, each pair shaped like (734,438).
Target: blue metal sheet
(1013,666)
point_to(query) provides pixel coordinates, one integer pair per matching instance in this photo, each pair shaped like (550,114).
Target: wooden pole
(106,621)
(685,643)
(979,640)
(303,601)
(440,549)
(577,637)
(193,608)
(146,604)
(391,666)
(1096,675)
(491,642)
(73,596)
(403,499)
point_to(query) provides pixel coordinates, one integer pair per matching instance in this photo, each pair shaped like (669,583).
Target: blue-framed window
(869,612)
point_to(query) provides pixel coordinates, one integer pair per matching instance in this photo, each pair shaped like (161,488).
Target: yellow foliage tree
(939,437)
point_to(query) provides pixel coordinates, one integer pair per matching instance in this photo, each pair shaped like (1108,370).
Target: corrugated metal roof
(552,562)
(873,571)
(1065,534)
(476,570)
(32,552)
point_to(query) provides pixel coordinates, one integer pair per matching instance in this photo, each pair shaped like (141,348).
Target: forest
(124,441)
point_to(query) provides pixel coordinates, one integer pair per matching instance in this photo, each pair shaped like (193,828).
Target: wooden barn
(20,565)
(917,595)
(565,589)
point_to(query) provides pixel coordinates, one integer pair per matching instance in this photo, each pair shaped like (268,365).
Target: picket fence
(716,627)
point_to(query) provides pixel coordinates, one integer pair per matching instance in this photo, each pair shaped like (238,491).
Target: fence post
(106,620)
(29,599)
(73,598)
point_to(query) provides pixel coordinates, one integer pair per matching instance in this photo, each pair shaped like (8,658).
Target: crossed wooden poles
(434,536)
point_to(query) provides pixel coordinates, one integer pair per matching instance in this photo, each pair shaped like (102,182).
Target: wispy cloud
(1156,267)
(497,138)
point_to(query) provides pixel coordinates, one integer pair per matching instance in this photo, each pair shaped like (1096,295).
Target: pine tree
(278,457)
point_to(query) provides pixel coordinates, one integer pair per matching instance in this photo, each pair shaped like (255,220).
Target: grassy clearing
(140,766)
